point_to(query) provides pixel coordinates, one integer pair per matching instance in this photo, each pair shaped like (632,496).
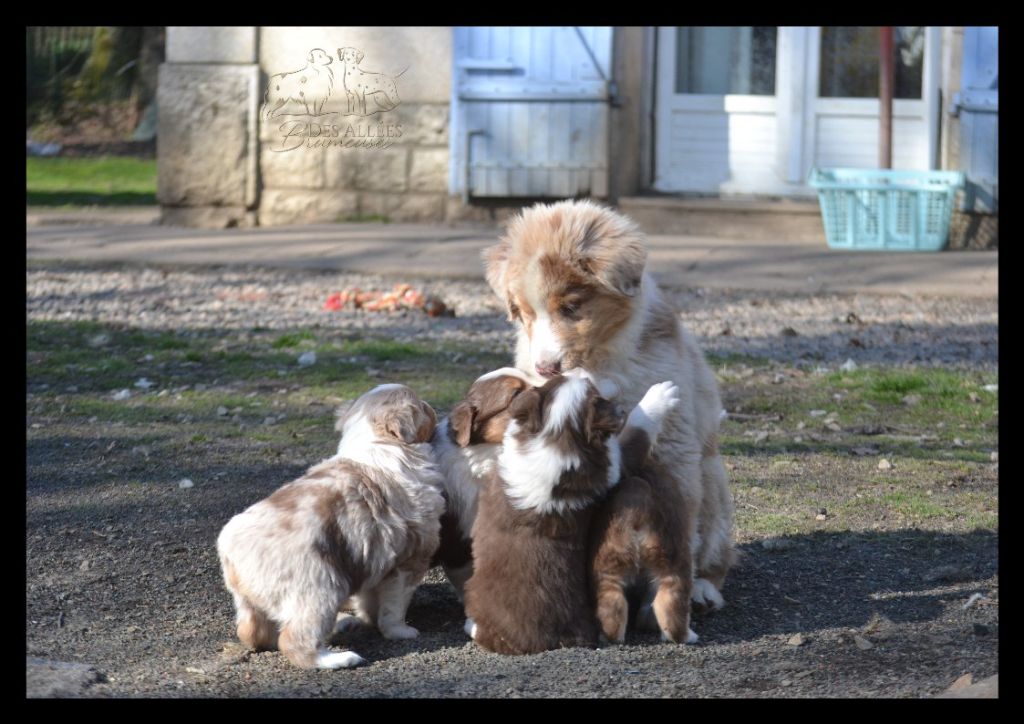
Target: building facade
(269,126)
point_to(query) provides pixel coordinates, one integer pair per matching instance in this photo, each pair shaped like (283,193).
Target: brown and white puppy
(572,275)
(466,446)
(528,592)
(362,524)
(640,537)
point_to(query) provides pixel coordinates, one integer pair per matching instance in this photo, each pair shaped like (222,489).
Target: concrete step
(753,220)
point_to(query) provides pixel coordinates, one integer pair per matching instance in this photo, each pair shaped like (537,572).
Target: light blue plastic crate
(881,210)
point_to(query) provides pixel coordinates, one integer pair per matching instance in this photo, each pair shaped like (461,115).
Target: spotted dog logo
(311,106)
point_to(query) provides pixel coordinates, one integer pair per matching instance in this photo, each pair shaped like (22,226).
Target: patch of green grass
(104,180)
(292,339)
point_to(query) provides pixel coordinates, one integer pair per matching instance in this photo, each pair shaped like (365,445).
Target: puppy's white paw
(338,659)
(399,631)
(470,628)
(651,411)
(347,622)
(691,637)
(705,593)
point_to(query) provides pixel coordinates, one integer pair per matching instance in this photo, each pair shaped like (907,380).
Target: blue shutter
(530,111)
(978,106)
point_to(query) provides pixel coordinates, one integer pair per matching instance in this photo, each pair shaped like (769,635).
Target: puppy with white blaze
(573,278)
(560,455)
(357,529)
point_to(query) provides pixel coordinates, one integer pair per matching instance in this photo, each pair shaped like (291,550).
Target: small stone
(72,388)
(796,640)
(980,629)
(975,597)
(789,332)
(373,372)
(84,565)
(143,383)
(994,457)
(862,643)
(848,366)
(817,413)
(957,442)
(833,426)
(222,411)
(786,682)
(801,425)
(98,340)
(974,397)
(185,483)
(864,451)
(991,388)
(199,387)
(123,394)
(821,516)
(911,400)
(884,464)
(307,358)
(270,420)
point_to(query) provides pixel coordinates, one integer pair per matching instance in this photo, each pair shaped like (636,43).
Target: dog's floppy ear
(460,423)
(612,249)
(359,56)
(526,410)
(341,414)
(401,425)
(496,268)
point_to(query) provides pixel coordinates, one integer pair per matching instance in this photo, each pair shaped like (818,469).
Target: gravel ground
(124,596)
(790,329)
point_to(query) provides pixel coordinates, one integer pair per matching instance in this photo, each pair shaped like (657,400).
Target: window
(850,68)
(725,60)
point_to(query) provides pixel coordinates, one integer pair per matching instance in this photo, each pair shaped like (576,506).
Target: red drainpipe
(885,85)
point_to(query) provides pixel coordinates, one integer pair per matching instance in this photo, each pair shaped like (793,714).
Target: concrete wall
(345,165)
(206,128)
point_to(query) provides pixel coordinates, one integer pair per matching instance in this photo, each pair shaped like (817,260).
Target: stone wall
(381,161)
(206,127)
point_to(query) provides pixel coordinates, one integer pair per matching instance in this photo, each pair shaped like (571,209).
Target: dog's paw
(650,413)
(705,594)
(399,631)
(691,637)
(338,659)
(470,628)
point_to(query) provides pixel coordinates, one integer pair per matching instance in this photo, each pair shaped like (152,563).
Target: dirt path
(124,596)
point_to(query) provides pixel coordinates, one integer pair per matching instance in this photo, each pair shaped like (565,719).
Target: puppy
(640,537)
(361,525)
(572,276)
(528,592)
(466,446)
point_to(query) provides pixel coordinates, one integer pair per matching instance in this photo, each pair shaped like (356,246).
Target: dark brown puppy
(641,535)
(466,446)
(529,591)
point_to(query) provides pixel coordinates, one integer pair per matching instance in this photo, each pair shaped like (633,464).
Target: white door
(716,126)
(842,122)
(746,110)
(530,111)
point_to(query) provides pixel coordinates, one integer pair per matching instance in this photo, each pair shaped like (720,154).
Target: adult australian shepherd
(572,276)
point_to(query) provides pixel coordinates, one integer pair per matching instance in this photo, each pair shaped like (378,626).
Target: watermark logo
(314,106)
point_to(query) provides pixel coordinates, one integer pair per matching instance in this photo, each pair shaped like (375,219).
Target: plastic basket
(876,210)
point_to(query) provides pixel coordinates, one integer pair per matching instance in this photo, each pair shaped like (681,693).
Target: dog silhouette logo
(301,92)
(361,85)
(307,91)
